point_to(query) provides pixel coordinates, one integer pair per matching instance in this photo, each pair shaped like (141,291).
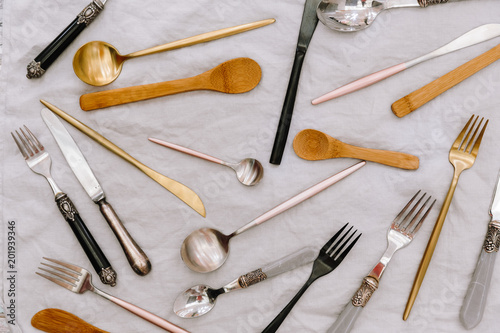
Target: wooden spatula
(419,97)
(59,321)
(314,145)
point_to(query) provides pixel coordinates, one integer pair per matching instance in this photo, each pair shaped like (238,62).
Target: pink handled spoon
(474,36)
(249,171)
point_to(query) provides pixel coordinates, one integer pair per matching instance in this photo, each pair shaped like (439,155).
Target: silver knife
(135,255)
(475,299)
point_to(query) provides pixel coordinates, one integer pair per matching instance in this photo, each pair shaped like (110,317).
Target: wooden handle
(55,320)
(387,157)
(107,98)
(430,91)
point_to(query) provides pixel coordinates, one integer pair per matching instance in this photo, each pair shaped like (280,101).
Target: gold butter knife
(179,190)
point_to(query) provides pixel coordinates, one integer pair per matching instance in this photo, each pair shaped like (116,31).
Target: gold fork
(462,155)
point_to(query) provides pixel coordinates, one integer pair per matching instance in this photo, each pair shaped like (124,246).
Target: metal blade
(495,203)
(73,156)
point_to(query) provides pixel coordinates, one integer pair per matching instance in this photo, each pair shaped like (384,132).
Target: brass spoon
(99,63)
(234,76)
(59,321)
(314,145)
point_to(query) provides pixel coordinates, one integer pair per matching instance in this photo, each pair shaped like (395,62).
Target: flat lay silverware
(136,257)
(462,156)
(329,258)
(474,36)
(98,63)
(235,76)
(181,191)
(206,249)
(37,67)
(348,15)
(60,321)
(400,234)
(307,27)
(249,171)
(421,96)
(475,300)
(39,162)
(200,299)
(79,280)
(314,145)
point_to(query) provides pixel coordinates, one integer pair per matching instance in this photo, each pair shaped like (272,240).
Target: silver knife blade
(73,156)
(495,203)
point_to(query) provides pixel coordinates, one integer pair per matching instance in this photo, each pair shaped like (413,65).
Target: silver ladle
(249,171)
(206,249)
(200,299)
(355,15)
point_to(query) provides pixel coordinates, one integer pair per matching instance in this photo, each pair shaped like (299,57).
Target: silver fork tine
(33,138)
(29,141)
(66,278)
(21,148)
(65,271)
(65,264)
(27,149)
(57,281)
(402,224)
(475,149)
(419,224)
(404,209)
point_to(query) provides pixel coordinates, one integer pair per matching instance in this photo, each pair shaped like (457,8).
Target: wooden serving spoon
(232,77)
(59,321)
(314,145)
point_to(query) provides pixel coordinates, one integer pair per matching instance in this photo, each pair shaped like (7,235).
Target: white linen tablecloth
(233,127)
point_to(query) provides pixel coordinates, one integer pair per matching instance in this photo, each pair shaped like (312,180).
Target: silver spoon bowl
(248,171)
(355,15)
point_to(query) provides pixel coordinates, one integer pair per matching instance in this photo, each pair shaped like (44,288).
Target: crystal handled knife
(135,255)
(181,191)
(475,299)
(37,67)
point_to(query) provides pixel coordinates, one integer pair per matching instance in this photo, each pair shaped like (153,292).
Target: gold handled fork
(79,280)
(462,155)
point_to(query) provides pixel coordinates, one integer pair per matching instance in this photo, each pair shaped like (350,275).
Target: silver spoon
(354,15)
(200,299)
(206,249)
(248,171)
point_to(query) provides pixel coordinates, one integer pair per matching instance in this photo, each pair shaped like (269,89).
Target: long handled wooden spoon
(419,97)
(232,77)
(314,145)
(59,321)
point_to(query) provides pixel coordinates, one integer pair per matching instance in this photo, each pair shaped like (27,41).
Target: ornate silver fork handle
(401,233)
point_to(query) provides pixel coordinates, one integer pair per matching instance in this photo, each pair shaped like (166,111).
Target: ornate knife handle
(136,257)
(42,62)
(87,241)
(475,299)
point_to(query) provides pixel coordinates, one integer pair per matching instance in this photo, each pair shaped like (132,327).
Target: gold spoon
(314,145)
(234,76)
(99,63)
(59,321)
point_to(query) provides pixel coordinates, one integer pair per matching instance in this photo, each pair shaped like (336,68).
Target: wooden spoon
(232,77)
(314,145)
(59,321)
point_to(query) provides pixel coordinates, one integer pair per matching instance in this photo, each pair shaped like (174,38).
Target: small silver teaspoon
(200,299)
(248,171)
(355,15)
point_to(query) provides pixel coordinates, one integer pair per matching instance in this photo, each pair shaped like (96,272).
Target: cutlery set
(207,249)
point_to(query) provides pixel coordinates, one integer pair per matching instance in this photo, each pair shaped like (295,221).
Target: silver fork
(40,162)
(400,234)
(79,280)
